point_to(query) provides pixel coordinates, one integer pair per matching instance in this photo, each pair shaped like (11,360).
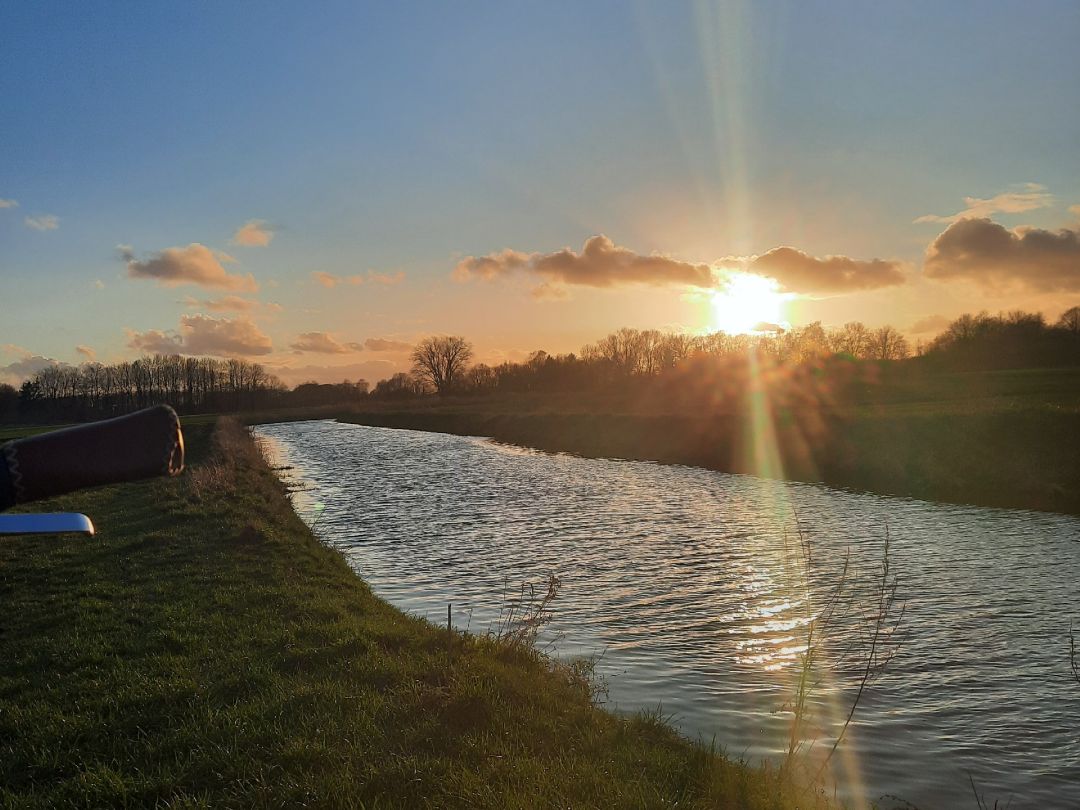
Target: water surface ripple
(688,582)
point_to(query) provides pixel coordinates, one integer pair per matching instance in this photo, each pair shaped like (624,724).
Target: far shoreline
(1011,460)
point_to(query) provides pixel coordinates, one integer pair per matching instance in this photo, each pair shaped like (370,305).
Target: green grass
(204,650)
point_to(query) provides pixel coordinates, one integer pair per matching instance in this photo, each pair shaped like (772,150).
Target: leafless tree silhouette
(441,361)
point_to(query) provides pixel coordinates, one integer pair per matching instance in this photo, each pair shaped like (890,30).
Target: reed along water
(691,586)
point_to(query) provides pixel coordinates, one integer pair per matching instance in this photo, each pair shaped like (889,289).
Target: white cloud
(1025,197)
(44,222)
(8,203)
(25,367)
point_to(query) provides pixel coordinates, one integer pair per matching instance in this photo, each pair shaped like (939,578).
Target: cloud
(798,272)
(931,323)
(550,292)
(154,341)
(322,343)
(768,326)
(370,370)
(204,335)
(87,352)
(26,367)
(1025,197)
(601,263)
(44,222)
(993,256)
(1075,210)
(8,203)
(253,233)
(229,303)
(386,345)
(194,264)
(329,280)
(99,284)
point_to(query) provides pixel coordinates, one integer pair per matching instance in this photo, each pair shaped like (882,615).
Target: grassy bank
(1002,439)
(205,650)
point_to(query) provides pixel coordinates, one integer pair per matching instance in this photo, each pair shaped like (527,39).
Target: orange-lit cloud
(253,233)
(8,203)
(931,323)
(386,345)
(322,343)
(44,222)
(550,292)
(194,264)
(87,352)
(370,370)
(601,263)
(993,256)
(798,272)
(228,303)
(1026,197)
(204,335)
(155,341)
(330,280)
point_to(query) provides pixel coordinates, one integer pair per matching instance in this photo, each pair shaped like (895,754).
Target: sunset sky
(317,187)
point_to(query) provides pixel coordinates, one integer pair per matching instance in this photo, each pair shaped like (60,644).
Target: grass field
(204,650)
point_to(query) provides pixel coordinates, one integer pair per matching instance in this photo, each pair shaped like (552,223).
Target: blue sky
(400,138)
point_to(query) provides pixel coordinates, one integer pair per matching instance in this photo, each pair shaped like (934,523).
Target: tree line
(189,384)
(1014,339)
(631,357)
(670,362)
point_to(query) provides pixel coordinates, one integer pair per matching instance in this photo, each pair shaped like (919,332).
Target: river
(689,587)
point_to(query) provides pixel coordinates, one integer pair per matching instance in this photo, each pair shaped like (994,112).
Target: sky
(318,186)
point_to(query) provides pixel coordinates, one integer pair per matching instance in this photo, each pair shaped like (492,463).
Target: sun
(745,304)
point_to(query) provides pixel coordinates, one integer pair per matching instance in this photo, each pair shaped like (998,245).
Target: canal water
(694,591)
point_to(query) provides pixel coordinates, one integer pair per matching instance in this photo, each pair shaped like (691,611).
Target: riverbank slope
(205,650)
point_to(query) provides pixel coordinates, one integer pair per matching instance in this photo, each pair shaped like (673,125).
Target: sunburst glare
(746,304)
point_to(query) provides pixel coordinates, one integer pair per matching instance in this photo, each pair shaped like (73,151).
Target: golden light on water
(745,304)
(785,624)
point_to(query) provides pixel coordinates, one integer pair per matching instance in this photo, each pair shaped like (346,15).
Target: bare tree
(887,343)
(441,361)
(1070,320)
